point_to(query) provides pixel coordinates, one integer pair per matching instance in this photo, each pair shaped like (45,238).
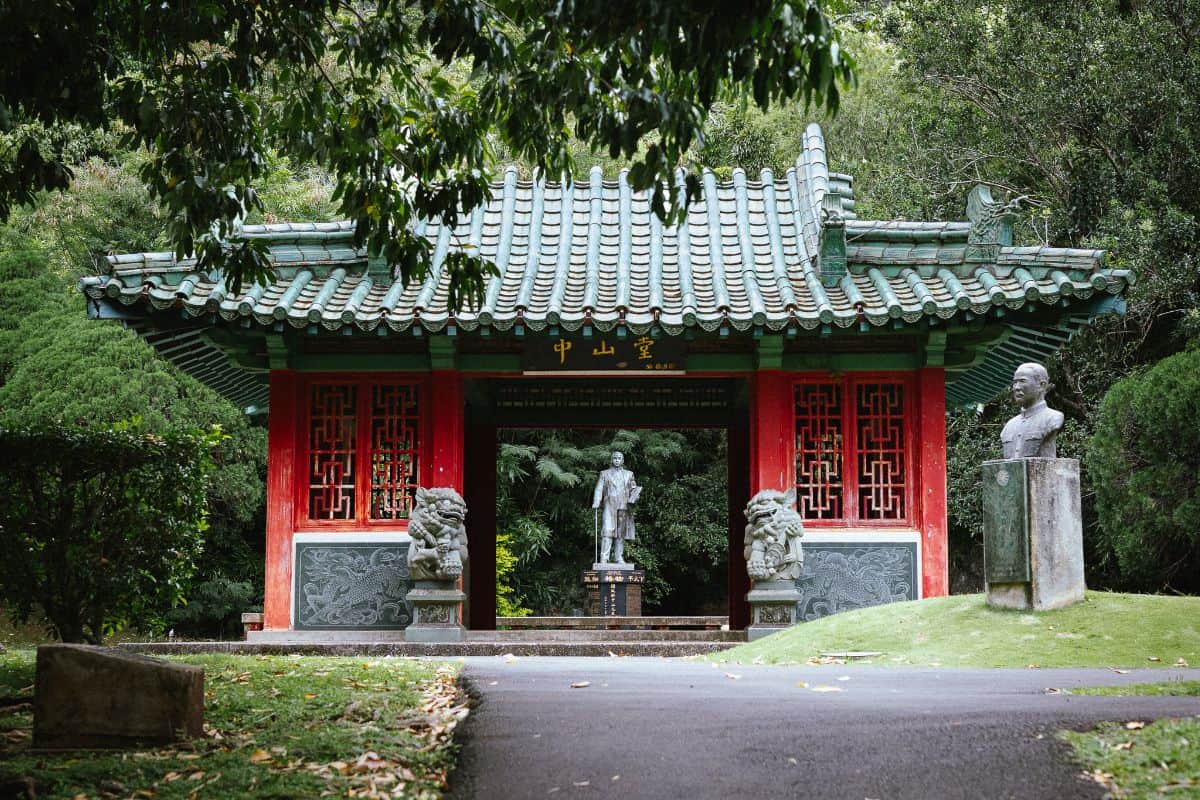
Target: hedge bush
(1144,459)
(99,527)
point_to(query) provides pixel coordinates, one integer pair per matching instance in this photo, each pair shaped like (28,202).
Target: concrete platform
(601,648)
(576,635)
(659,622)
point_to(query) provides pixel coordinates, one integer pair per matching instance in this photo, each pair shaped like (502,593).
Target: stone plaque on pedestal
(773,606)
(1032,533)
(436,606)
(614,592)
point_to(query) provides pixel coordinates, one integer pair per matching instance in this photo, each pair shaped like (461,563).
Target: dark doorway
(596,407)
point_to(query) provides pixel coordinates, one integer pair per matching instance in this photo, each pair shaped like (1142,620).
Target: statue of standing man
(616,492)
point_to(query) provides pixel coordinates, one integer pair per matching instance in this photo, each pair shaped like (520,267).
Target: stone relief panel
(353,586)
(841,576)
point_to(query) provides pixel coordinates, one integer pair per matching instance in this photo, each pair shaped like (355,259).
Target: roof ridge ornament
(991,224)
(832,256)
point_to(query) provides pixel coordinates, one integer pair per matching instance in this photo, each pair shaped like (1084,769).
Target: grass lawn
(276,727)
(1106,630)
(1136,760)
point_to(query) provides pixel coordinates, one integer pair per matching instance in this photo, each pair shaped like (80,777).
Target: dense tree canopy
(401,102)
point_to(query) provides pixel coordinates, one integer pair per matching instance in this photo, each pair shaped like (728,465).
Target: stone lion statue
(439,538)
(773,530)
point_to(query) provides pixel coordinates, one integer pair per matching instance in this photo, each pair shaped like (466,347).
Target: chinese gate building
(827,346)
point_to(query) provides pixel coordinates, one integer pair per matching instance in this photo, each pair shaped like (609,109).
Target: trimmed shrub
(101,527)
(1144,459)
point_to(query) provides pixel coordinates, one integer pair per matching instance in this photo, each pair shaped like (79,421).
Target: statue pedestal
(1032,533)
(614,590)
(436,606)
(772,607)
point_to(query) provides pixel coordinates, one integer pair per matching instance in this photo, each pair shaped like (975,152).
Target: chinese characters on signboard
(602,353)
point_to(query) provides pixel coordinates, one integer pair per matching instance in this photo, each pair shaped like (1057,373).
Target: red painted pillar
(771,431)
(446,407)
(282,452)
(931,389)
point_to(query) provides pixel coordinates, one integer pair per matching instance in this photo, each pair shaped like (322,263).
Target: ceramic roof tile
(747,255)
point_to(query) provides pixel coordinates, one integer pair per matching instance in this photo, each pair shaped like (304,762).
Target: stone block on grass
(93,697)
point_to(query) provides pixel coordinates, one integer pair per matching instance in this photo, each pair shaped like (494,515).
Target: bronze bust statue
(1031,433)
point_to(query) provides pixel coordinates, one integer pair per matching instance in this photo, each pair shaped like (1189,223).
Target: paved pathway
(657,728)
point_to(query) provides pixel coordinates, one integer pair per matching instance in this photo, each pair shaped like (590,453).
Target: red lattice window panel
(395,422)
(882,454)
(853,456)
(819,450)
(332,451)
(363,439)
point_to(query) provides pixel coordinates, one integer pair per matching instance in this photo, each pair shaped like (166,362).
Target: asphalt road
(659,728)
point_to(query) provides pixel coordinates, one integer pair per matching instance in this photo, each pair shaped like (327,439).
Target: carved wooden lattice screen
(852,451)
(332,451)
(377,421)
(395,421)
(819,487)
(881,451)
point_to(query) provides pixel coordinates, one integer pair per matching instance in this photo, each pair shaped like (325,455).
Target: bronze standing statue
(616,492)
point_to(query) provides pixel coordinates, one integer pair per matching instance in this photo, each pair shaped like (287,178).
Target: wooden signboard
(602,353)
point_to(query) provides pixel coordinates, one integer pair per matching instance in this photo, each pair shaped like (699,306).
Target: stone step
(585,635)
(671,622)
(377,649)
(578,635)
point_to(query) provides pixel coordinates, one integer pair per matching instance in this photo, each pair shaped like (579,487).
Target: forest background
(1087,110)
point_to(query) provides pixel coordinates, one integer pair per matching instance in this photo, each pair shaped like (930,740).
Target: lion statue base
(773,531)
(439,537)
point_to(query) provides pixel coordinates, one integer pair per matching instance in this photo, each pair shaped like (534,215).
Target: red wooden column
(931,481)
(282,451)
(771,432)
(446,410)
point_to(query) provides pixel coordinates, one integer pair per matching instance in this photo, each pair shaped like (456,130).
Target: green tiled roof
(772,254)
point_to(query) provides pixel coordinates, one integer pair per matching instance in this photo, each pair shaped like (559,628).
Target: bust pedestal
(772,607)
(614,590)
(1032,533)
(435,606)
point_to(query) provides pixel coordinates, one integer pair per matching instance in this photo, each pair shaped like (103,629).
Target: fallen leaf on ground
(1181,663)
(309,696)
(1153,658)
(801,685)
(1054,690)
(1135,725)
(581,684)
(581,783)
(1121,671)
(826,688)
(793,761)
(509,658)
(616,777)
(259,756)
(1123,746)
(733,676)
(844,678)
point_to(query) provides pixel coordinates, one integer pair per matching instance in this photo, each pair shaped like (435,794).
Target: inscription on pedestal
(354,585)
(614,593)
(1006,520)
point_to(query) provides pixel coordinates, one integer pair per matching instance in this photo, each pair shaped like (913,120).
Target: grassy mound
(1106,630)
